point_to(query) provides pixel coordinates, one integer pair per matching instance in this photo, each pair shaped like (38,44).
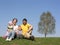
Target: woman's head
(14,21)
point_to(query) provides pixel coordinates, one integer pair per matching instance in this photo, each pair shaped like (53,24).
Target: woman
(12,29)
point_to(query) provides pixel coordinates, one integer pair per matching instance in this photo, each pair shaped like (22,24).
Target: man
(26,29)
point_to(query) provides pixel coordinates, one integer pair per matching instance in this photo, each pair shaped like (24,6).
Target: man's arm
(30,28)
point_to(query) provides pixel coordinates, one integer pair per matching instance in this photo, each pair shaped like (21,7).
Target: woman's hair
(15,19)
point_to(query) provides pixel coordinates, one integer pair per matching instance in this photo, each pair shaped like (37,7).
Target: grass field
(38,41)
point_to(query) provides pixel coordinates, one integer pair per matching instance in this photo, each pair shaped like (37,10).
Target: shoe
(32,38)
(7,39)
(10,39)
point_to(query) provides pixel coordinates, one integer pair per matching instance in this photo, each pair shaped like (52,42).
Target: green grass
(38,41)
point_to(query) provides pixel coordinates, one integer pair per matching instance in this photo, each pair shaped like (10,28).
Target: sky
(31,10)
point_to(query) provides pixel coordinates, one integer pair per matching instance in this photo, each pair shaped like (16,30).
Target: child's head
(10,23)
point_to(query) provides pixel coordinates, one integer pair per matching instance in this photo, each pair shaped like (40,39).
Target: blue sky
(30,9)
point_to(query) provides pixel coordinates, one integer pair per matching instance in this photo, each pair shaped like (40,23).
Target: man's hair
(15,19)
(25,19)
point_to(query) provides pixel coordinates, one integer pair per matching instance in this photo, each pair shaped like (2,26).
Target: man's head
(24,21)
(14,21)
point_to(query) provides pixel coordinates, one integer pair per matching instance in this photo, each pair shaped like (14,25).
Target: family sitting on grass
(22,31)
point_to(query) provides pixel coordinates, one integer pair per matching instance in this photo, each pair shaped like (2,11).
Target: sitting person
(26,29)
(12,29)
(9,29)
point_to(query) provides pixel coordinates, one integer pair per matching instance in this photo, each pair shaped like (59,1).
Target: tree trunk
(46,31)
(45,35)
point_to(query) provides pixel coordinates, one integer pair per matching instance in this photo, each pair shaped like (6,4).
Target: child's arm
(19,28)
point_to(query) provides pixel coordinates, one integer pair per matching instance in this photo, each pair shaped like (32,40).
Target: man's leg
(27,35)
(30,32)
(30,36)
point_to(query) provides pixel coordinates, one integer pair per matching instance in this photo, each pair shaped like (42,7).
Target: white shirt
(15,27)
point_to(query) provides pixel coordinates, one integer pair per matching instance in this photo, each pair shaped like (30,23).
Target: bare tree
(46,24)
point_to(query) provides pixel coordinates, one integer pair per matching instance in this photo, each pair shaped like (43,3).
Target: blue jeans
(11,34)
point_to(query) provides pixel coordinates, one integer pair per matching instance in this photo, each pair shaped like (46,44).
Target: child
(10,26)
(10,29)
